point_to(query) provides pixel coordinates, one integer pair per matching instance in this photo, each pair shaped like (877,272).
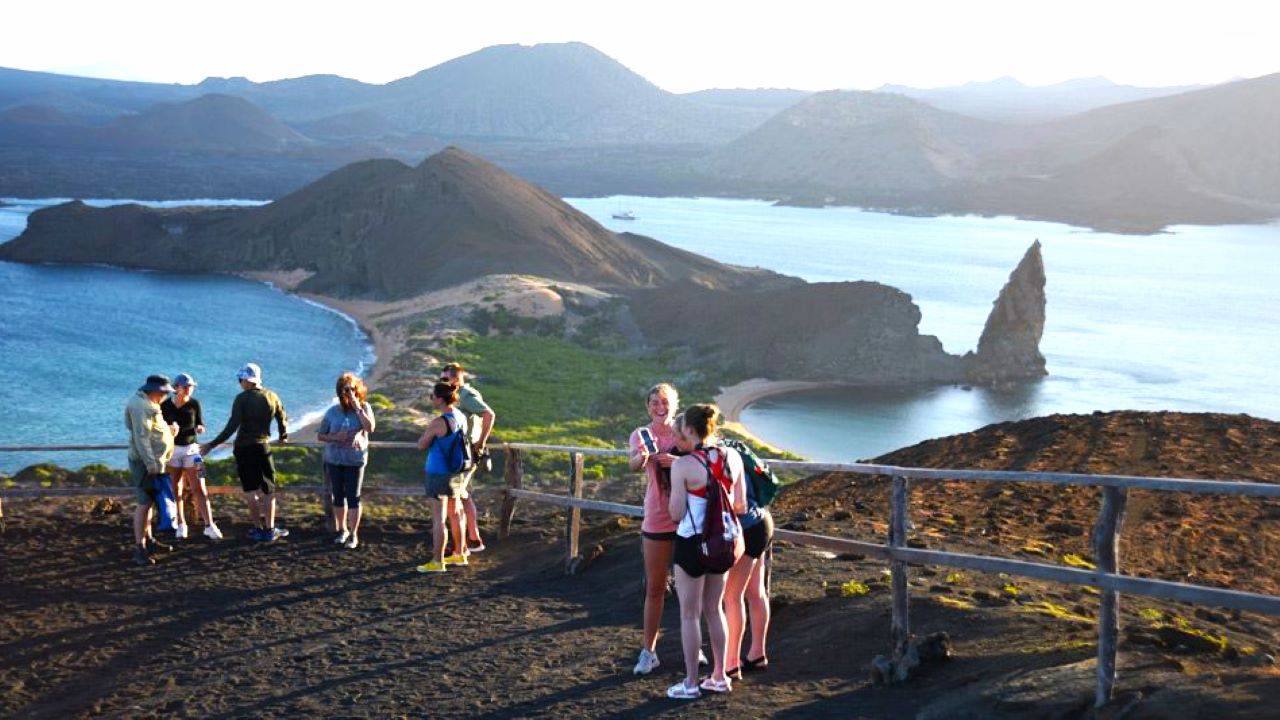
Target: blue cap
(184,380)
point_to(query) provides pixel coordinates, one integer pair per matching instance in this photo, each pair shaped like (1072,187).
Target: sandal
(734,674)
(717,686)
(760,664)
(680,691)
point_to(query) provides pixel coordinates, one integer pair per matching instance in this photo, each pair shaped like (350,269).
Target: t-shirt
(188,417)
(336,420)
(251,414)
(657,516)
(472,404)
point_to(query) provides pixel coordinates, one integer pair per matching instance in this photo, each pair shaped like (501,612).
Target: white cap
(250,372)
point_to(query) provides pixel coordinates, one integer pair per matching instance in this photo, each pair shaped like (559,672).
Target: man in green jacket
(251,415)
(150,447)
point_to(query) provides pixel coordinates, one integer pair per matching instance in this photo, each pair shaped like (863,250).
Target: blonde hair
(670,390)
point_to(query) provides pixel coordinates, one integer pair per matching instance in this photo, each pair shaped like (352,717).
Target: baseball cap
(250,372)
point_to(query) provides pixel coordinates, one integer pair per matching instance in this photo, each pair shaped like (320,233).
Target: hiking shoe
(431,567)
(716,686)
(274,534)
(180,532)
(213,533)
(259,535)
(647,662)
(352,543)
(140,557)
(153,545)
(477,546)
(680,691)
(456,560)
(341,538)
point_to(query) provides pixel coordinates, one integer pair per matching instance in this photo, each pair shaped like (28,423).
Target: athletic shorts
(144,491)
(186,456)
(256,469)
(686,557)
(758,537)
(447,486)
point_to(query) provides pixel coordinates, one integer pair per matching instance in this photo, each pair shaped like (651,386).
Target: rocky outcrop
(1009,348)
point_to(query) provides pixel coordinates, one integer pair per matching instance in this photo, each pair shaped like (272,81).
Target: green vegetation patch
(853,588)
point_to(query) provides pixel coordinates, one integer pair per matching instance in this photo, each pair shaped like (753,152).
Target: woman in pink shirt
(650,450)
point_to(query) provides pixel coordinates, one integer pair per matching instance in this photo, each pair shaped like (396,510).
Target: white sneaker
(180,532)
(212,532)
(352,543)
(647,662)
(341,538)
(702,658)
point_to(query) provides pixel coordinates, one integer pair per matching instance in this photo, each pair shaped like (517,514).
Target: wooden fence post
(573,524)
(1106,549)
(513,470)
(904,657)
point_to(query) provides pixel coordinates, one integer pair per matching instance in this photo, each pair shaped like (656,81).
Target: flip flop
(760,664)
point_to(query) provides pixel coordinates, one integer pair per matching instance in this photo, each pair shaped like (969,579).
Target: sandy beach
(735,398)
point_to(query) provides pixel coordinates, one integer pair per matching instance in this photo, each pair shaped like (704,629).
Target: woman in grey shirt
(345,431)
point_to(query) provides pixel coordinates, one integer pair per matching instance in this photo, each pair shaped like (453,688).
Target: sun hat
(184,380)
(156,383)
(250,372)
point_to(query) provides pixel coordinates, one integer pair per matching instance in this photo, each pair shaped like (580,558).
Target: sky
(680,46)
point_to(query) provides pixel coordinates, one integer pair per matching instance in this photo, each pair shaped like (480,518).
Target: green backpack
(764,484)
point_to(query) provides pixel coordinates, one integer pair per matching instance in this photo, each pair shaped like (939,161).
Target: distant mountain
(1207,156)
(221,123)
(1006,99)
(856,144)
(378,228)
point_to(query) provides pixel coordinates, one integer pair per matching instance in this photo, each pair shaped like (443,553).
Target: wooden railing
(1106,578)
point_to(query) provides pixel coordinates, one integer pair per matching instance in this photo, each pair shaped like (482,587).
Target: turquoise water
(76,342)
(1183,320)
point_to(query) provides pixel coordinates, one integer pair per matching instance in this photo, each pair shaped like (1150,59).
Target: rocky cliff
(1010,344)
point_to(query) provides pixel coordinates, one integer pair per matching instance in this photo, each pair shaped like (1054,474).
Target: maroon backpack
(722,544)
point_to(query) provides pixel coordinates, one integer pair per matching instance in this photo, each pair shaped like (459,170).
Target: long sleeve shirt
(150,440)
(251,414)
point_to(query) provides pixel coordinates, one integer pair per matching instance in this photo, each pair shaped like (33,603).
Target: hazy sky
(681,46)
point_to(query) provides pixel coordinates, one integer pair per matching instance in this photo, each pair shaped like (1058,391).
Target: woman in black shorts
(745,581)
(701,592)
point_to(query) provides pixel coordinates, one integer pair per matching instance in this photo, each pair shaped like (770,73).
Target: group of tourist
(164,419)
(681,455)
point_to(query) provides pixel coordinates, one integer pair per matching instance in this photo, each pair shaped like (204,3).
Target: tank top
(696,514)
(436,464)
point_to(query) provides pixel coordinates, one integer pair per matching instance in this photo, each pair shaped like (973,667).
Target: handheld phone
(650,444)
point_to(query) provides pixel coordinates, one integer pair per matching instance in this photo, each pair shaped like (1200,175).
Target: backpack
(721,537)
(456,455)
(764,484)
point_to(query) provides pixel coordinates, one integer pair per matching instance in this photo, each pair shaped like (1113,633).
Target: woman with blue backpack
(744,587)
(448,468)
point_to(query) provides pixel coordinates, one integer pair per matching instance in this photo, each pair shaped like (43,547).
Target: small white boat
(624,215)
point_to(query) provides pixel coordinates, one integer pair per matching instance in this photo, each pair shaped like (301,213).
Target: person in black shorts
(744,589)
(251,415)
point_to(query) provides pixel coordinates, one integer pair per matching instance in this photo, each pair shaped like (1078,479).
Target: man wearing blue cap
(251,415)
(150,447)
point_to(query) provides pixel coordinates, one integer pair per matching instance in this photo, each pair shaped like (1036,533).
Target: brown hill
(211,122)
(1205,539)
(381,229)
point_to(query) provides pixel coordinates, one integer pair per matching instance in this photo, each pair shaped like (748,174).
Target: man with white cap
(150,447)
(251,415)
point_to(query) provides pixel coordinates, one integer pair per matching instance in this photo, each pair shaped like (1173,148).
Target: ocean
(76,342)
(1182,320)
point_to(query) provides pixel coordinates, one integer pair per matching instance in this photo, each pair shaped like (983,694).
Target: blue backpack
(456,454)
